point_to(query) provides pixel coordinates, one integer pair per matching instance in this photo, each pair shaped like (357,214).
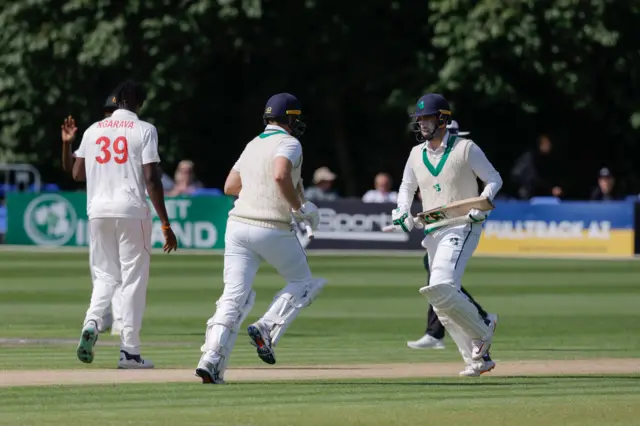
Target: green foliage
(564,66)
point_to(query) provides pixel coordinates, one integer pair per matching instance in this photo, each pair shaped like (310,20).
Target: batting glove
(478,216)
(401,218)
(308,213)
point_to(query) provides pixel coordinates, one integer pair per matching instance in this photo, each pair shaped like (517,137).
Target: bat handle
(417,223)
(309,230)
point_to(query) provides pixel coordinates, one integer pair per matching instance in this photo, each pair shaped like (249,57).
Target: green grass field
(549,310)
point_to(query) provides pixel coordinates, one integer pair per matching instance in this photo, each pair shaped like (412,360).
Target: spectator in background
(323,179)
(606,189)
(382,192)
(185,182)
(535,172)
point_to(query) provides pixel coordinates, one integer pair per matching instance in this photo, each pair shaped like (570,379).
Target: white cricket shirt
(114,150)
(476,160)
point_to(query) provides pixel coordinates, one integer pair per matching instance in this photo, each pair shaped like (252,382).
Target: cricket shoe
(426,342)
(480,347)
(478,368)
(88,340)
(133,362)
(261,339)
(208,368)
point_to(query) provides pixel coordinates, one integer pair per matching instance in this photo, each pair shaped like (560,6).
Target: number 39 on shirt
(117,151)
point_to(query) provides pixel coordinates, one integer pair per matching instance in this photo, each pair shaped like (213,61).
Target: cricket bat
(455,209)
(450,214)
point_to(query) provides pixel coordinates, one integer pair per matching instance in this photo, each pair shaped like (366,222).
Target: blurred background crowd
(547,88)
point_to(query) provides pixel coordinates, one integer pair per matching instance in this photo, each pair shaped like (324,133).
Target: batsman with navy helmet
(433,337)
(266,180)
(445,168)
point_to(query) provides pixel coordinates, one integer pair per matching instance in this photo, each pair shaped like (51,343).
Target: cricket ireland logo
(50,220)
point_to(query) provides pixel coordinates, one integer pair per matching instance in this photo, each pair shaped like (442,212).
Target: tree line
(511,72)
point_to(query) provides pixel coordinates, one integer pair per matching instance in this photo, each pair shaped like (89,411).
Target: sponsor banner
(569,228)
(354,225)
(60,219)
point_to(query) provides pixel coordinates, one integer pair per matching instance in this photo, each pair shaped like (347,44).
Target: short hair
(129,95)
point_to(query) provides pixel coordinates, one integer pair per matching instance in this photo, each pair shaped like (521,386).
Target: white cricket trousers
(449,252)
(120,255)
(245,248)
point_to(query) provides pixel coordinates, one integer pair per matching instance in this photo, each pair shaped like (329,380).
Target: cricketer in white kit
(445,168)
(266,179)
(112,319)
(118,158)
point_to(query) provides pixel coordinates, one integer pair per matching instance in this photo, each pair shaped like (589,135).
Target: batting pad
(223,327)
(288,303)
(448,301)
(462,341)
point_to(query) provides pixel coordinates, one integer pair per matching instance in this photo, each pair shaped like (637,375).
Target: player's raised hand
(69,130)
(170,240)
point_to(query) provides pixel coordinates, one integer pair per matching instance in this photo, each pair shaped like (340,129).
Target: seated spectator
(382,192)
(323,179)
(185,182)
(606,189)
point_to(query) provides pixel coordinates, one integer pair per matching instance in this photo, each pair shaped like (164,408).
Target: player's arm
(155,189)
(401,216)
(408,187)
(301,191)
(152,174)
(289,152)
(483,168)
(282,167)
(79,171)
(233,184)
(153,180)
(69,131)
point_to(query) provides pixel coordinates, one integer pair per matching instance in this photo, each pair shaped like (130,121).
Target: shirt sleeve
(408,187)
(80,152)
(291,149)
(150,147)
(485,171)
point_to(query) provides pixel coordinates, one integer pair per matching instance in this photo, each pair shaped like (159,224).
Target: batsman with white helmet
(266,179)
(445,168)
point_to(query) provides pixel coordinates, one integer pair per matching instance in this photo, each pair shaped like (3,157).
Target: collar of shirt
(124,113)
(443,145)
(273,127)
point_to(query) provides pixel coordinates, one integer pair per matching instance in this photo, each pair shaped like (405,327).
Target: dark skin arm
(156,193)
(76,168)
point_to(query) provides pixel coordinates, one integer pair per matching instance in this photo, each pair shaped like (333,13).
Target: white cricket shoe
(478,368)
(261,339)
(207,368)
(480,347)
(88,339)
(426,342)
(133,362)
